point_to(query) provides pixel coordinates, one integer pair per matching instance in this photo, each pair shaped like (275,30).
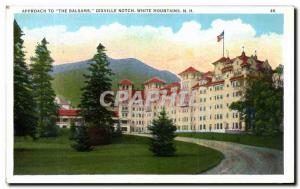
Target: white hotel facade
(213,91)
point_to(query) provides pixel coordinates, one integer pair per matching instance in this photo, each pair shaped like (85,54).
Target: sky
(165,41)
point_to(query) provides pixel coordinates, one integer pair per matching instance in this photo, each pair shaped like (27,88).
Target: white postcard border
(289,105)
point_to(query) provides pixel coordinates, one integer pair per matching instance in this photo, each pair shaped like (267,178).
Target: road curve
(239,158)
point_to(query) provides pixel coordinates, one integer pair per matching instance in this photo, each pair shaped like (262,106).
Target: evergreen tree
(25,120)
(82,140)
(72,130)
(97,81)
(261,106)
(163,134)
(41,66)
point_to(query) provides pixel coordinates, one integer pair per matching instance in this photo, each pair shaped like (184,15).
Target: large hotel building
(213,92)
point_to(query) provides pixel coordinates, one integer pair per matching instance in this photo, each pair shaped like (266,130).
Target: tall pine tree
(41,66)
(163,134)
(25,119)
(97,117)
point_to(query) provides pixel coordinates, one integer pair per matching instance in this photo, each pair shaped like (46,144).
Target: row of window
(217,126)
(218,87)
(203,91)
(218,116)
(186,119)
(218,97)
(137,122)
(235,84)
(218,106)
(138,109)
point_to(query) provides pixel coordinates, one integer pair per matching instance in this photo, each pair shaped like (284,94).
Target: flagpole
(223,41)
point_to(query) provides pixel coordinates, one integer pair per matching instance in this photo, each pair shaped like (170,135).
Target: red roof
(189,70)
(213,83)
(209,73)
(196,86)
(154,80)
(244,58)
(63,112)
(237,78)
(223,59)
(207,78)
(125,82)
(169,87)
(216,82)
(174,84)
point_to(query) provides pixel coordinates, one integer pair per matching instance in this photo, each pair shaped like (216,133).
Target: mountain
(68,78)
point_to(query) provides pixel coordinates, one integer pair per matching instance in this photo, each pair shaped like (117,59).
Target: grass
(275,142)
(129,155)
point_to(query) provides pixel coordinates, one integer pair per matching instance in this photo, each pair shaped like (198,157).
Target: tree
(279,69)
(163,134)
(25,120)
(41,66)
(261,106)
(82,140)
(95,115)
(73,130)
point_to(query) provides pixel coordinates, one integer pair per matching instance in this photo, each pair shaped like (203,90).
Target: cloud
(159,47)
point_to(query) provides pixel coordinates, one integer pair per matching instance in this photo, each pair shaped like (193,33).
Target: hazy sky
(165,41)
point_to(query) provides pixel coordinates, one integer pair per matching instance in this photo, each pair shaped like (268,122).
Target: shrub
(82,140)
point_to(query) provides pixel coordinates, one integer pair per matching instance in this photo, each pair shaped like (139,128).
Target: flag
(220,37)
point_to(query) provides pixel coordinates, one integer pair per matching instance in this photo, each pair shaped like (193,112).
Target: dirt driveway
(241,159)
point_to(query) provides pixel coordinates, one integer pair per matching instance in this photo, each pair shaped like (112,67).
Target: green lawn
(275,142)
(129,155)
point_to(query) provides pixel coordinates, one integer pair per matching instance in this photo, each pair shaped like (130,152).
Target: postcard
(150,95)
